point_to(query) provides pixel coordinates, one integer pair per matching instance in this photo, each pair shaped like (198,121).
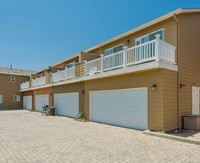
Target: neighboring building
(10,80)
(145,78)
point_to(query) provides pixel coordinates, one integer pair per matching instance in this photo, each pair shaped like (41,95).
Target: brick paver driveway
(30,137)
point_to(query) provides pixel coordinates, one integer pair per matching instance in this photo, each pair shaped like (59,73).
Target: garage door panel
(41,100)
(27,102)
(67,104)
(126,108)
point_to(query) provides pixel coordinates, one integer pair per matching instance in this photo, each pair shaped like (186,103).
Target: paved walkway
(30,137)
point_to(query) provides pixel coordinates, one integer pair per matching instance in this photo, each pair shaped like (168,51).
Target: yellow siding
(80,69)
(189,59)
(9,89)
(134,80)
(170,100)
(170,35)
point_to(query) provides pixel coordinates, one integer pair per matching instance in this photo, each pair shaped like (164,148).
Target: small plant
(81,117)
(32,109)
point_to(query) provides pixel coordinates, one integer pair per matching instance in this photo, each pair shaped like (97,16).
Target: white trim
(136,68)
(77,95)
(72,57)
(71,63)
(73,93)
(16,98)
(12,78)
(125,89)
(1,99)
(159,19)
(161,29)
(112,48)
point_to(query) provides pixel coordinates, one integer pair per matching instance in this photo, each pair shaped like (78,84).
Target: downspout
(178,86)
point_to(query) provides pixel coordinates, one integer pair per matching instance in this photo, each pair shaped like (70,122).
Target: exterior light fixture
(154,87)
(182,85)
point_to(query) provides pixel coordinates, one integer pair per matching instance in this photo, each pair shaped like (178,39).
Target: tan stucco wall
(9,89)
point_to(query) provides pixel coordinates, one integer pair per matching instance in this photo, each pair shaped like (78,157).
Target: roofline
(159,19)
(74,56)
(15,74)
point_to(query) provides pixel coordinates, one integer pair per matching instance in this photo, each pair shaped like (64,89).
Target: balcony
(155,51)
(24,85)
(39,81)
(147,52)
(63,75)
(59,76)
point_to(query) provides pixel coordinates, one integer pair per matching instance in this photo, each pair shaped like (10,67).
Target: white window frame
(13,77)
(16,98)
(112,48)
(163,35)
(1,99)
(73,64)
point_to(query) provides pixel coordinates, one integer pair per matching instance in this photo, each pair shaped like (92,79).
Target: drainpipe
(178,86)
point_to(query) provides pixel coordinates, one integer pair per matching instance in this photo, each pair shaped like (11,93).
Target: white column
(157,51)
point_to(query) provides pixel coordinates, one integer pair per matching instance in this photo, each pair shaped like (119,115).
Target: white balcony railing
(70,72)
(149,51)
(58,76)
(63,75)
(24,85)
(155,50)
(39,81)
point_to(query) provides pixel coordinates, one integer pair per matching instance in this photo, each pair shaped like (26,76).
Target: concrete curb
(172,137)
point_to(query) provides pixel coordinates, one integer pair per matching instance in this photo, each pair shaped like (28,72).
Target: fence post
(157,51)
(124,56)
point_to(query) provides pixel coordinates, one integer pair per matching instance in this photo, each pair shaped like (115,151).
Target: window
(70,65)
(150,36)
(1,99)
(16,98)
(12,78)
(114,49)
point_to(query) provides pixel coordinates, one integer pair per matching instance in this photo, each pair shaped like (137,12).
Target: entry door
(196,100)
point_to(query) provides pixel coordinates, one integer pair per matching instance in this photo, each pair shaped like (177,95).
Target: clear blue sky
(38,33)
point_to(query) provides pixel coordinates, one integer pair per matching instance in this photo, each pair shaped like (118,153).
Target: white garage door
(67,104)
(27,102)
(40,100)
(124,107)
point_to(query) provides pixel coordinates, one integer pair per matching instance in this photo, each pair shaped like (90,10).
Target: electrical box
(191,122)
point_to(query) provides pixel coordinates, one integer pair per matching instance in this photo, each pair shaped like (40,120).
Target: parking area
(29,137)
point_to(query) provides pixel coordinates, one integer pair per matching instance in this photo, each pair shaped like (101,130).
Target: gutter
(178,86)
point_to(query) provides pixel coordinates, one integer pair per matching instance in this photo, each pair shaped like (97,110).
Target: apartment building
(10,80)
(146,78)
